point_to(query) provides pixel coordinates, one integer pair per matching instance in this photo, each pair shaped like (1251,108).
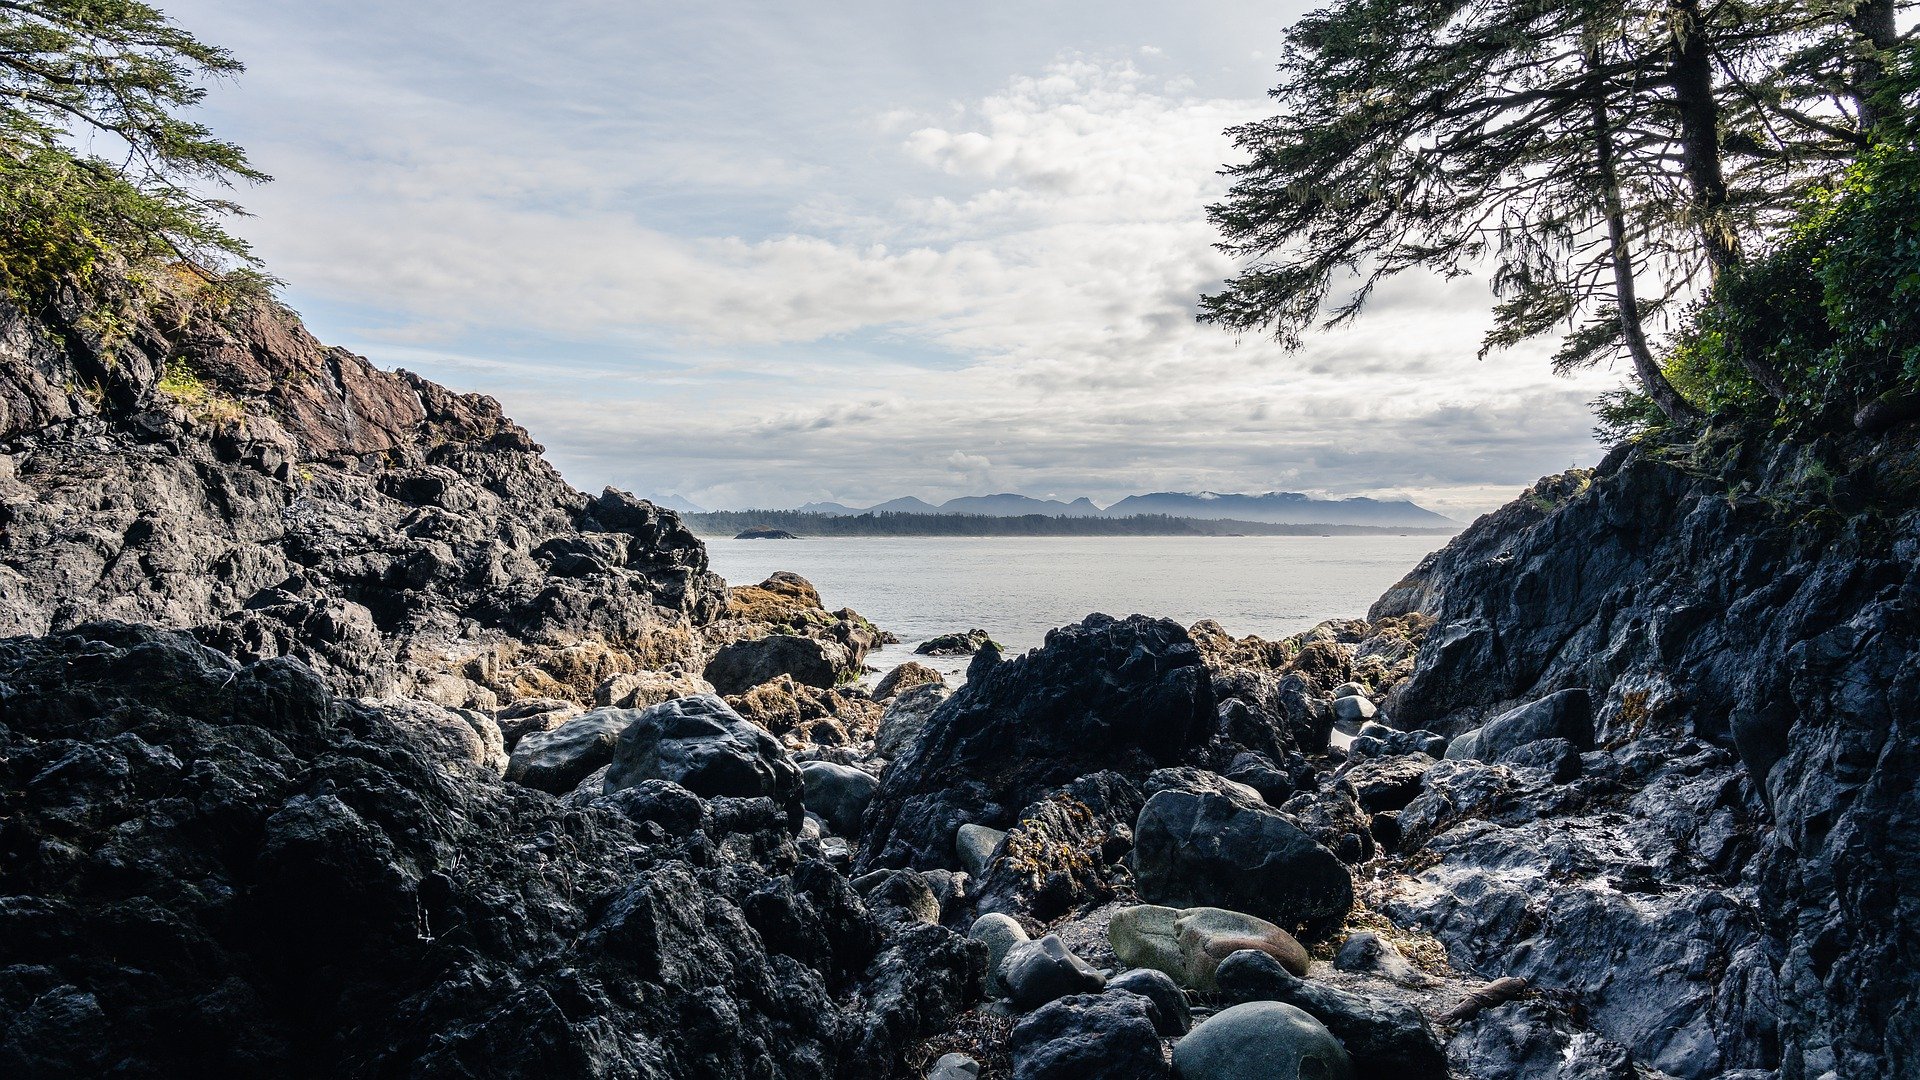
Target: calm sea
(1018,588)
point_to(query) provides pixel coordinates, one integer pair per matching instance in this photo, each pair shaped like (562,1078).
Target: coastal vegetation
(1616,167)
(148,205)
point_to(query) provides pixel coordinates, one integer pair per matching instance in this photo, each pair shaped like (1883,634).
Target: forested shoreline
(727,523)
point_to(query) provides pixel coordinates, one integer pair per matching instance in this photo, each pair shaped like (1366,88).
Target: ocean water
(1018,588)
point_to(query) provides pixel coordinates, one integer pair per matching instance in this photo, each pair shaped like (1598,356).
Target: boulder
(1335,819)
(1383,1038)
(1000,933)
(1353,709)
(975,845)
(1126,695)
(1206,850)
(1261,1040)
(966,644)
(1566,715)
(906,716)
(838,793)
(1172,1017)
(1109,1036)
(906,677)
(1188,944)
(954,1067)
(1387,783)
(1061,855)
(705,747)
(559,759)
(1036,972)
(900,896)
(742,665)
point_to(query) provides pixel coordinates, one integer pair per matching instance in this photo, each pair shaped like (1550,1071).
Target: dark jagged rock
(1055,857)
(1710,598)
(1105,1035)
(1126,695)
(966,644)
(705,747)
(220,869)
(1207,850)
(397,538)
(1384,1038)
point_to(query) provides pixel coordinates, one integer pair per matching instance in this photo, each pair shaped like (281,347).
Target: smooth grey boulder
(743,665)
(704,746)
(1000,933)
(1349,689)
(1037,972)
(1384,1038)
(1353,708)
(975,845)
(839,794)
(1172,1017)
(1086,1036)
(906,716)
(558,760)
(1566,715)
(1261,1040)
(954,1067)
(1207,850)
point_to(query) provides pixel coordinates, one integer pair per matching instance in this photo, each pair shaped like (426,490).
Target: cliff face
(1729,597)
(228,475)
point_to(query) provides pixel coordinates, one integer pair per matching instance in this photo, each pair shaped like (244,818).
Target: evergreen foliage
(82,74)
(1582,151)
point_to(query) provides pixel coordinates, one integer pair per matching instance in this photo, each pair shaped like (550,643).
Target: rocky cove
(340,736)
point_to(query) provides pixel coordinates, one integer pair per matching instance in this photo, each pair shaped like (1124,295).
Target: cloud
(757,275)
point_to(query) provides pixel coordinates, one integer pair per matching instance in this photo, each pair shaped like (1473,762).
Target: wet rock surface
(413,763)
(220,869)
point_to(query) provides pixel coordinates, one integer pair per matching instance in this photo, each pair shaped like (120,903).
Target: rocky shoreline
(340,736)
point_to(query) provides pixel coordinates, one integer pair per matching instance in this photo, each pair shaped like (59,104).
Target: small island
(764,532)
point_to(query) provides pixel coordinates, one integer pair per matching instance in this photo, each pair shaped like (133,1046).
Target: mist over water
(1018,588)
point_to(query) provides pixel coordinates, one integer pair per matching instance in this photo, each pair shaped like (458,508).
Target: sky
(761,254)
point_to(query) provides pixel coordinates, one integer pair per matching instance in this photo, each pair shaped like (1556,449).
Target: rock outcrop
(224,869)
(1726,882)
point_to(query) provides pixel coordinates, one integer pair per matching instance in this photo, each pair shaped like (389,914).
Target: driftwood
(1497,992)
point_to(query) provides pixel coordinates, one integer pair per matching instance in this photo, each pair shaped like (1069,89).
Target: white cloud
(775,298)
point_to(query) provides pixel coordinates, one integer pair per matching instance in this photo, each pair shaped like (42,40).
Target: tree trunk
(1625,295)
(1873,21)
(1690,74)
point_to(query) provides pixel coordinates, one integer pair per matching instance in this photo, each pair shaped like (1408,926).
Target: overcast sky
(762,254)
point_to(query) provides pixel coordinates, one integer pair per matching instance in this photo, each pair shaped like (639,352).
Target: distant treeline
(728,523)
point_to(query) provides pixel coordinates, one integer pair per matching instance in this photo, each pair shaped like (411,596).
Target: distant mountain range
(1275,507)
(677,504)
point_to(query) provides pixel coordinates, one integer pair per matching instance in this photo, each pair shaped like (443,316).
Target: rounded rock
(1261,1040)
(1037,972)
(839,794)
(1171,1015)
(1001,933)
